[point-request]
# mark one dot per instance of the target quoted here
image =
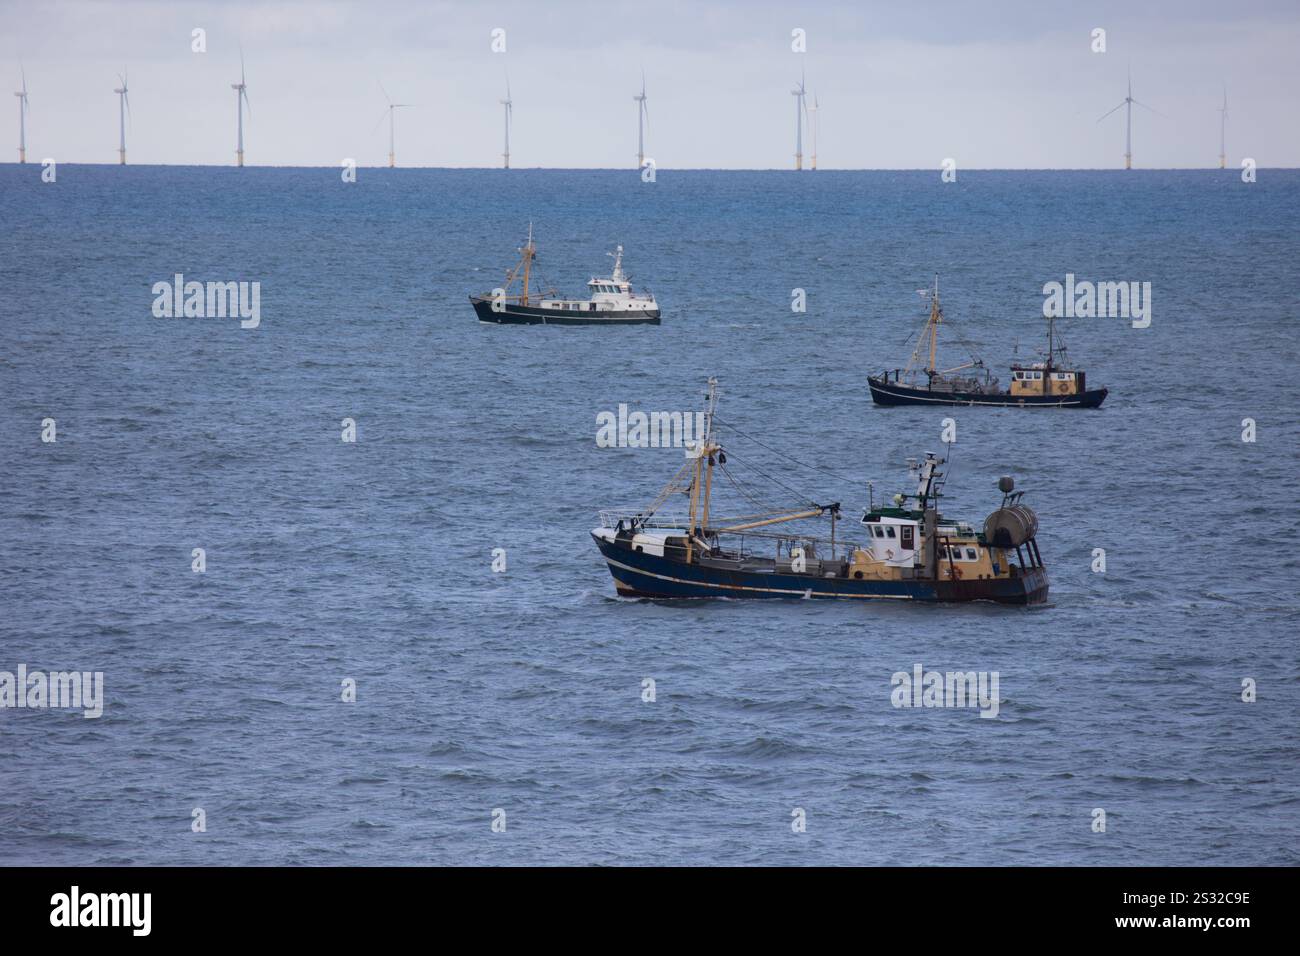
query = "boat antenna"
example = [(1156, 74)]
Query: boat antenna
[(617, 275), (1051, 348), (936, 316)]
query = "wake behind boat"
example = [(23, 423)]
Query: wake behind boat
[(611, 302), (912, 551), (1049, 383)]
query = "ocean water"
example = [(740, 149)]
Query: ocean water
[(521, 691)]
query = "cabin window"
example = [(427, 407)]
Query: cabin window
[(906, 539), (970, 554), (890, 531), (591, 306)]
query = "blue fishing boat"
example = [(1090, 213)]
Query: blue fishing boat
[(911, 551), (1050, 383)]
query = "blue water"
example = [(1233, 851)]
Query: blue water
[(522, 690)]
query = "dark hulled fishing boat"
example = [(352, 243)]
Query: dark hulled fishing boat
[(912, 551), (611, 302), (1050, 383)]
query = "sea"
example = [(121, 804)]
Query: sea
[(404, 648)]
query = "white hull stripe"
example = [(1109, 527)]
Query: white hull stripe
[(588, 318), (793, 592), (1010, 403)]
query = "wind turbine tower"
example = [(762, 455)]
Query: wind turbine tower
[(1223, 125), (1127, 103), (812, 123), (123, 107), (641, 117), (509, 112), (22, 120), (241, 100), (799, 110), (392, 107)]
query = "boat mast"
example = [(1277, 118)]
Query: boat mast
[(931, 329), (528, 262), (935, 317), (700, 504), (1051, 351)]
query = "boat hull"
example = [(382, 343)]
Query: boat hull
[(515, 314), (641, 575), (895, 393)]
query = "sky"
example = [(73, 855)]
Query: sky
[(901, 85)]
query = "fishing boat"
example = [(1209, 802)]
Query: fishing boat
[(1050, 383), (611, 300), (911, 550)]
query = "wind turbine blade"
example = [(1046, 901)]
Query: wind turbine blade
[(1145, 107), (1104, 115), (244, 94), (387, 99), (382, 116)]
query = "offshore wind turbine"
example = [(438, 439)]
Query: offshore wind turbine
[(22, 119), (799, 92), (1127, 103), (1223, 125), (392, 107), (123, 107), (241, 100), (509, 112), (642, 117), (812, 124)]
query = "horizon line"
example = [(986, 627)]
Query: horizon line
[(677, 169)]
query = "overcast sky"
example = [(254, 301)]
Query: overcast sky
[(902, 84)]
